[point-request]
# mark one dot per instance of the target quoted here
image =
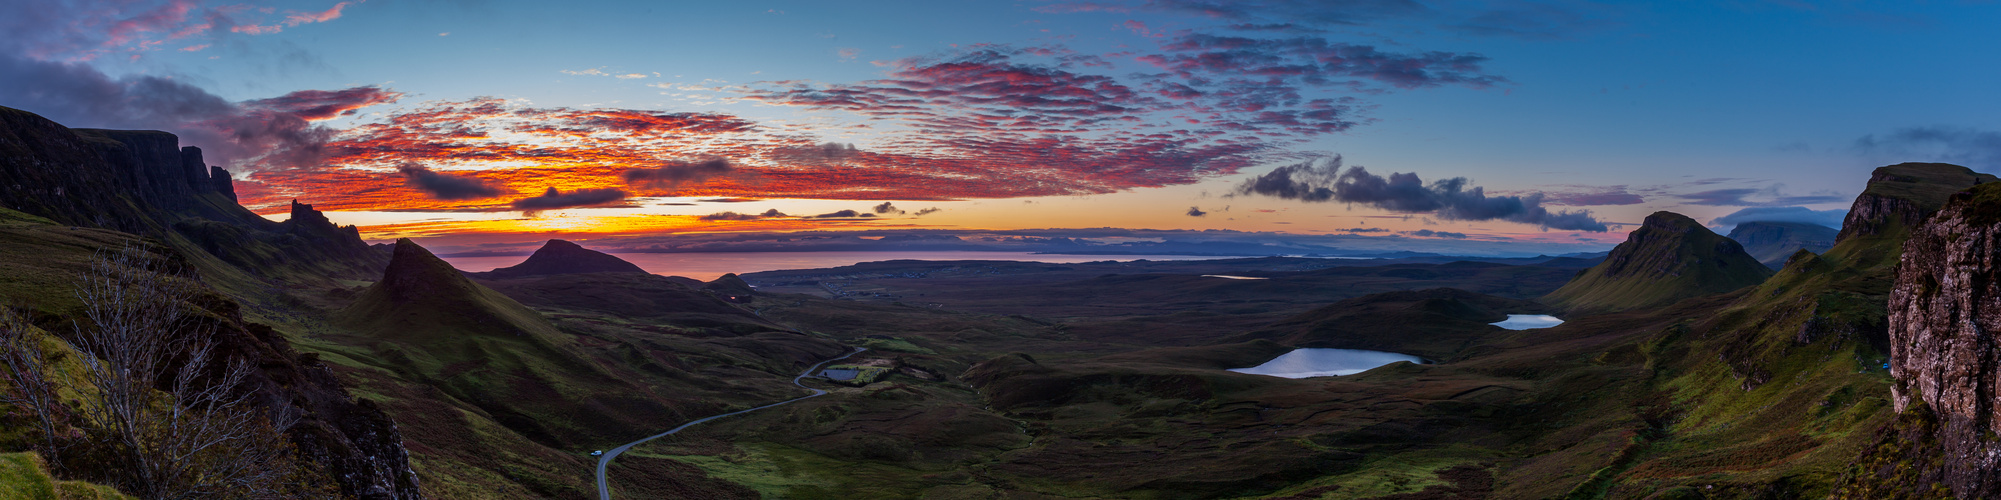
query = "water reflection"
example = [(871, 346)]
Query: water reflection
[(1303, 363), (1528, 321)]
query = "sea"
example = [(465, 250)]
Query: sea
[(709, 266)]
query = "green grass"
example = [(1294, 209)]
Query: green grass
[(1670, 258), (784, 472), (1407, 472), (23, 476), (895, 345), (864, 374)]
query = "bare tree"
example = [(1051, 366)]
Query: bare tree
[(25, 368), (156, 397)]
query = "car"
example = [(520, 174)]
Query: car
[(598, 453)]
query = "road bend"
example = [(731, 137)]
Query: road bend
[(604, 487)]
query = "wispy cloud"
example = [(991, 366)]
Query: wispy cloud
[(1965, 145), (291, 19), (1769, 196), (315, 105)]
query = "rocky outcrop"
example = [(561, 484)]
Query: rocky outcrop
[(219, 181), (563, 257), (1774, 242), (1944, 311), (146, 183), (1901, 196), (351, 439), (1669, 258), (314, 227)]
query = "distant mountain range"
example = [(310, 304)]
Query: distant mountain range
[(1774, 242)]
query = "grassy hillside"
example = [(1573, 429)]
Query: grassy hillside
[(1438, 323), (496, 396), (1669, 258), (24, 476), (1777, 393)]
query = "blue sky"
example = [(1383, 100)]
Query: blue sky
[(1618, 109)]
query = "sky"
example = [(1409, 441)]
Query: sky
[(1479, 126)]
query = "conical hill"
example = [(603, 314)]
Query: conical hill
[(563, 257), (1669, 258), (423, 300)]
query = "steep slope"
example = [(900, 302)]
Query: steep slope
[(145, 183), (473, 338), (1946, 303), (563, 257), (498, 395), (1774, 242), (1774, 394), (1669, 258), (355, 443), (1901, 196)]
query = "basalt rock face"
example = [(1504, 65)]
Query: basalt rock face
[(1944, 312), (145, 183), (563, 257), (220, 181), (313, 226), (51, 171), (1774, 242), (1903, 195), (1669, 258), (351, 439)]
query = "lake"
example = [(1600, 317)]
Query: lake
[(1528, 321), (709, 266), (1313, 362)]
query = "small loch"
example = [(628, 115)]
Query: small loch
[(1528, 321), (1315, 362)]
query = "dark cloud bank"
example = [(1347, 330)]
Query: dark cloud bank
[(555, 199), (447, 186), (1324, 180)]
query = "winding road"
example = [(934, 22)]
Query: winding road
[(604, 488)]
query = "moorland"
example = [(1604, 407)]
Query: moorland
[(1687, 367)]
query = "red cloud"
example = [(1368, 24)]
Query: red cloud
[(989, 122), (520, 151), (292, 19), (316, 105)]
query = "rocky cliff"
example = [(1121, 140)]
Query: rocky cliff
[(1943, 314), (1901, 196), (145, 183), (1774, 242), (1669, 258)]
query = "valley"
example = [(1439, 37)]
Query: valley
[(1676, 366)]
